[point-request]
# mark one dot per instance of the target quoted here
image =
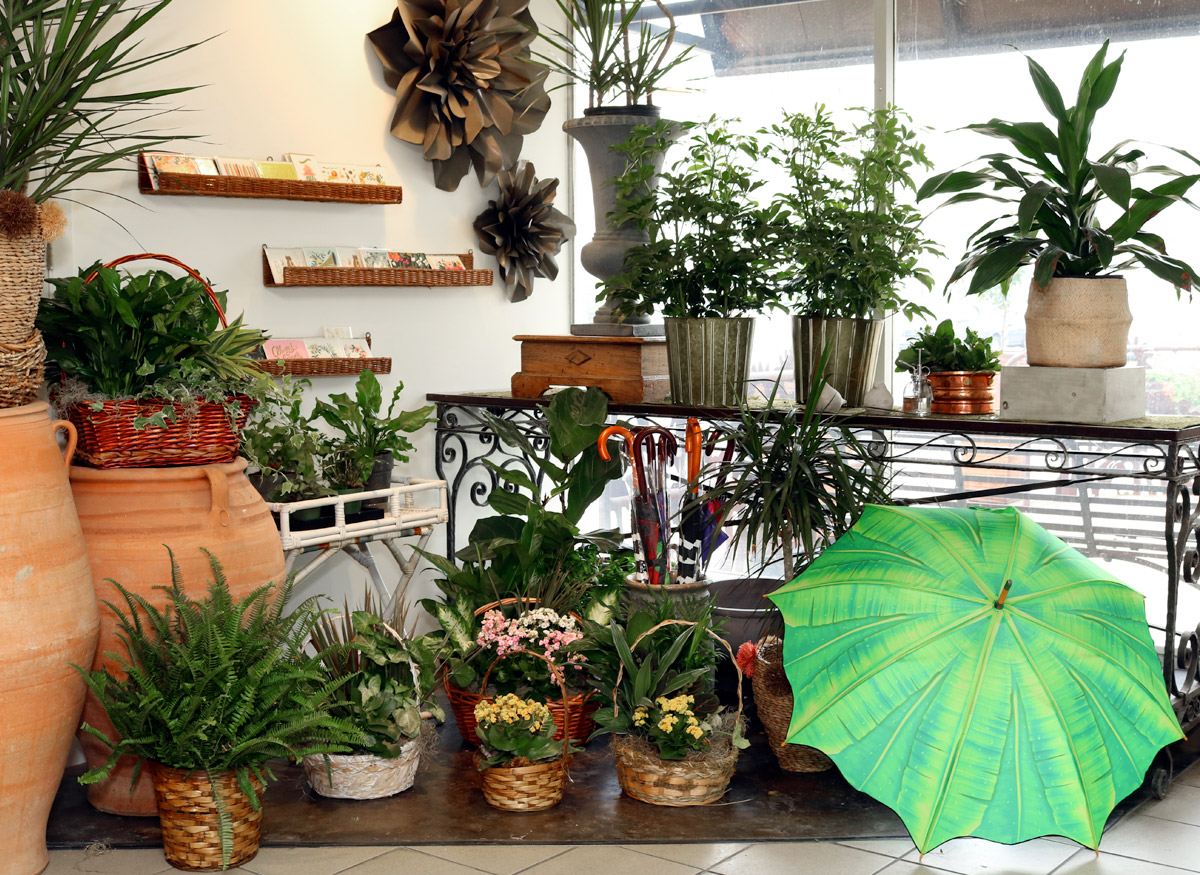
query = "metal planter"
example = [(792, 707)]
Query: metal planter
[(853, 350), (709, 360)]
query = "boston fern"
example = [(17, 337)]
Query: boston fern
[(1057, 192), (216, 685)]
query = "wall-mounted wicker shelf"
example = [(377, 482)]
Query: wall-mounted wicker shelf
[(278, 189), (378, 276), (336, 367)]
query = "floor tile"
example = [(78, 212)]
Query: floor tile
[(1156, 840), (817, 857), (1086, 862), (1190, 776), (607, 860), (700, 856), (310, 861), (1182, 804), (887, 847), (980, 857), (118, 862), (409, 860), (495, 859)]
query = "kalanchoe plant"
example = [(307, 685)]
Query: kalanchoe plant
[(1057, 191), (940, 350), (515, 732), (846, 233), (706, 255)]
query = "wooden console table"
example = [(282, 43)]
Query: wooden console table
[(1119, 491)]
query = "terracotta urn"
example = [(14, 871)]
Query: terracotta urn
[(47, 621), (129, 517)]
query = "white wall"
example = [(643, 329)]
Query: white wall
[(300, 76)]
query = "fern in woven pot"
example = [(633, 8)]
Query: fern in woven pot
[(386, 681), (64, 118), (213, 689)]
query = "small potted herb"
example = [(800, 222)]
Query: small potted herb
[(962, 371)]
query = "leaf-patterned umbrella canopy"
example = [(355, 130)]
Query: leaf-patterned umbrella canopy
[(467, 89), (969, 710)]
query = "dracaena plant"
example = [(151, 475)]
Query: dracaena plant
[(1072, 214)]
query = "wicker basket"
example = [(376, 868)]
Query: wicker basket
[(525, 788), (108, 439), (576, 710), (258, 187), (22, 366), (335, 367), (187, 812), (364, 776), (22, 276), (379, 276), (773, 699), (645, 776)]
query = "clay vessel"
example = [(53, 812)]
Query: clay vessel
[(47, 621), (128, 515)]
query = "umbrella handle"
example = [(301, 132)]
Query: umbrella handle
[(668, 446), (608, 434), (693, 445)]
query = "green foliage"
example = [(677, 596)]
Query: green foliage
[(1056, 192), (124, 336), (672, 726), (940, 350), (516, 731), (365, 433), (707, 253), (596, 50), (797, 481), (281, 442), (847, 237), (216, 684), (64, 115), (386, 678)]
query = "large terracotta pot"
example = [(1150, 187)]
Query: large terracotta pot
[(1078, 322), (47, 621), (128, 515)]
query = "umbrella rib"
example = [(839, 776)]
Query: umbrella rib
[(1012, 550), (985, 653), (896, 657), (1066, 586), (824, 584), (934, 682), (933, 533), (874, 553), (1097, 710), (857, 630), (1062, 721)]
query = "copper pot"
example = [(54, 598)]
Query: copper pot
[(964, 392)]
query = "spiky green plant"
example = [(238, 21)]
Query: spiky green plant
[(216, 685)]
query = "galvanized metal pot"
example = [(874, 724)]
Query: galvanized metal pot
[(853, 350), (963, 392), (709, 360), (1078, 322)]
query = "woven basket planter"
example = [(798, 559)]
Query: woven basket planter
[(580, 706), (677, 783), (187, 812), (525, 788), (22, 366), (364, 776), (22, 276), (108, 438), (773, 698)]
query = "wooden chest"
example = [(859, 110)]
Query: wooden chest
[(628, 369)]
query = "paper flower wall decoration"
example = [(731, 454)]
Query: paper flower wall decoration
[(467, 89), (523, 230)]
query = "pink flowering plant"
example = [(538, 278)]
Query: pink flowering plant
[(541, 631)]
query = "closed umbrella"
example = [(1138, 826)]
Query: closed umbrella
[(974, 673)]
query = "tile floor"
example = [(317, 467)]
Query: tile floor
[(1157, 838)]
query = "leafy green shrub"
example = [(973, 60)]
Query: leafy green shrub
[(940, 349)]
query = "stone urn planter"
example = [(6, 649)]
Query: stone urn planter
[(1078, 322)]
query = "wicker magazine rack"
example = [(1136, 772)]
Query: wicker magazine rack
[(378, 276), (255, 187)]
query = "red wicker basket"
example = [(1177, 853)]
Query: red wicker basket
[(207, 436), (577, 710)]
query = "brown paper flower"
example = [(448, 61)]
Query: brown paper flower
[(523, 229), (467, 90)]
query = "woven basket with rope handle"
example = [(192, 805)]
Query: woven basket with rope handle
[(774, 702)]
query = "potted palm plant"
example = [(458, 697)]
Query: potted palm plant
[(610, 49), (704, 263), (962, 370), (208, 691), (847, 238), (61, 122), (1059, 190)]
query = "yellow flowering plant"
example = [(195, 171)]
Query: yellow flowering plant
[(515, 732), (672, 726)]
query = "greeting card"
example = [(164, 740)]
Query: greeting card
[(446, 262), (285, 348), (324, 348), (244, 167), (408, 259), (357, 349), (278, 259), (276, 169), (176, 164), (320, 256), (342, 332)]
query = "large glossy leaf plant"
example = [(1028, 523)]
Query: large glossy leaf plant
[(1058, 194)]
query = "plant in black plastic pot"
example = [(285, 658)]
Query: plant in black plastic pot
[(848, 237), (282, 444), (707, 264), (369, 441)]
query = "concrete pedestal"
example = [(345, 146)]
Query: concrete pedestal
[(1092, 395)]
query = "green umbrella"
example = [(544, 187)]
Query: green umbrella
[(974, 673)]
